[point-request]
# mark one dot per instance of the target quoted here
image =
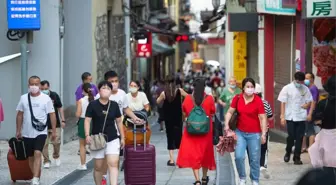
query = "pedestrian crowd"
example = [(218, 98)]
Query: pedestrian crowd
[(112, 124)]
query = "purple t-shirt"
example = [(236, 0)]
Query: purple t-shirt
[(315, 93), (79, 91)]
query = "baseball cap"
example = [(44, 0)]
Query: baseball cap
[(258, 89)]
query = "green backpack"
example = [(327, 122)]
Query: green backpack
[(198, 123)]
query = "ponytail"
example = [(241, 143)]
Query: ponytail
[(91, 97), (88, 89), (198, 94)]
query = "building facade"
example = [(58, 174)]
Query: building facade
[(93, 41)]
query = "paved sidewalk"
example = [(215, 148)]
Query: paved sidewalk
[(70, 161), (281, 173), (164, 175)]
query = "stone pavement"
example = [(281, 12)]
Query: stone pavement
[(70, 161), (281, 173), (164, 175)]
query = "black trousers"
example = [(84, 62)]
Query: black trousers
[(263, 153), (296, 131)]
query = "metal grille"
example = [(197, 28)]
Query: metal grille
[(282, 58)]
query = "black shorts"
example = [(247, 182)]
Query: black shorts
[(33, 144)]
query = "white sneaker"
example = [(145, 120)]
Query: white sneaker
[(255, 183), (82, 167), (242, 182), (35, 181), (58, 162), (46, 165), (265, 173)]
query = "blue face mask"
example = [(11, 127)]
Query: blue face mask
[(45, 92), (297, 85), (232, 86), (307, 82)]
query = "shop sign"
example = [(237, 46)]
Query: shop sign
[(240, 55), (320, 8), (274, 7), (23, 15), (144, 47)]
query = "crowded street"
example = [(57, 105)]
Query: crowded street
[(167, 92)]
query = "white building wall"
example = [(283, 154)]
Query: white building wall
[(77, 46), (43, 61)]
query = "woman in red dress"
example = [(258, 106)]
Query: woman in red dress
[(196, 151)]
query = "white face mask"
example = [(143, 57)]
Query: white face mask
[(105, 93), (34, 89), (133, 89), (249, 91), (115, 86)]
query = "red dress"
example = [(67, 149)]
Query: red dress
[(197, 151)]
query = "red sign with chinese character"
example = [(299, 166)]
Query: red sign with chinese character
[(144, 47)]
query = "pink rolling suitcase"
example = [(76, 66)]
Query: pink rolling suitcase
[(140, 163)]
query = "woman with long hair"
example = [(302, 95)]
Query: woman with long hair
[(251, 130), (82, 105), (322, 152), (196, 151), (172, 100)]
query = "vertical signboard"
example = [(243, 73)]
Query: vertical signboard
[(23, 14), (239, 54)]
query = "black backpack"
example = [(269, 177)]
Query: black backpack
[(18, 148)]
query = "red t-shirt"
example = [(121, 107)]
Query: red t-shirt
[(248, 114)]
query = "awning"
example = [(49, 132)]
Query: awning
[(160, 47)]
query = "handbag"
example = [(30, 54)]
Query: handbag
[(217, 130), (227, 143), (98, 141), (234, 117), (37, 125)]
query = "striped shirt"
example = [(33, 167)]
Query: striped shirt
[(268, 109)]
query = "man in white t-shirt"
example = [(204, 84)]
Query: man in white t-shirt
[(119, 96), (32, 127)]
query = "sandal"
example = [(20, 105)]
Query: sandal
[(170, 163), (198, 183), (205, 180)]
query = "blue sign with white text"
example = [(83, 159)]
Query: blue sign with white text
[(23, 14)]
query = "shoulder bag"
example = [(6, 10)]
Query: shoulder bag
[(98, 141), (37, 125), (234, 117)]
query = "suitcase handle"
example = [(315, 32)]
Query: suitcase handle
[(144, 130)]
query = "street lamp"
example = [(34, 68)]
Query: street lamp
[(215, 3)]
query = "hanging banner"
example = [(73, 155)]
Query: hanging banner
[(274, 7), (144, 47), (240, 55), (23, 15), (324, 49)]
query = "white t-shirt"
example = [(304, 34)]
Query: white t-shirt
[(294, 98), (42, 106), (85, 103), (137, 103), (120, 98)]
